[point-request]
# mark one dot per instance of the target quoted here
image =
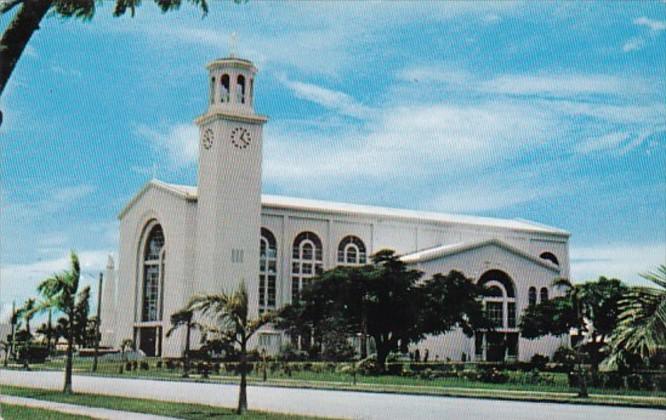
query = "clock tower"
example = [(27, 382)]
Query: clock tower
[(229, 182)]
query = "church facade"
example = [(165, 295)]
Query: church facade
[(177, 241)]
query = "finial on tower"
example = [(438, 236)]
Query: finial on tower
[(233, 40)]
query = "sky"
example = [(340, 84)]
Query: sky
[(553, 112)]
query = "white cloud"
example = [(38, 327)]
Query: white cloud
[(633, 44), (437, 74), (177, 143), (564, 85), (624, 261), (603, 143), (654, 25), (331, 99)]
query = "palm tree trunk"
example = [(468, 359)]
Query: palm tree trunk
[(242, 393), (67, 389), (18, 33), (186, 358)]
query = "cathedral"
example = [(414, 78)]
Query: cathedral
[(178, 240)]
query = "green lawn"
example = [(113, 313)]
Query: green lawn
[(171, 409), (15, 412)]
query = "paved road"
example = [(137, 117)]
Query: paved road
[(339, 404), (94, 412)]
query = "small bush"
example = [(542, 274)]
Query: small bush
[(539, 361), (660, 382), (144, 366), (158, 365), (128, 366), (633, 381), (565, 356), (493, 375)]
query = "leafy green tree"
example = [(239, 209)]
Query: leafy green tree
[(388, 301), (641, 330), (61, 292), (30, 13), (180, 319), (592, 308), (229, 315)]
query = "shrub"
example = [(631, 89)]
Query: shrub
[(493, 375), (660, 382), (170, 365), (128, 366), (158, 365), (539, 361), (633, 381), (394, 368), (144, 365), (32, 353), (565, 356)]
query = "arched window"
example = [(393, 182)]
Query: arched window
[(500, 299), (531, 296), (224, 91), (240, 89), (153, 273), (212, 90), (306, 261), (543, 294), (351, 251), (267, 270), (550, 257)]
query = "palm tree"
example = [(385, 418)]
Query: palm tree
[(28, 311), (229, 312), (61, 292), (183, 318), (576, 294), (641, 328)]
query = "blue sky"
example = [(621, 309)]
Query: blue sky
[(554, 112)]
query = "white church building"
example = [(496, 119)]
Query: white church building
[(176, 241)]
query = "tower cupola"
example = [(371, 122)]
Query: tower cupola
[(231, 85)]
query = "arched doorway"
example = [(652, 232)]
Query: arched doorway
[(500, 306)]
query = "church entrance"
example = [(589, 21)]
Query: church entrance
[(497, 346), (150, 340)]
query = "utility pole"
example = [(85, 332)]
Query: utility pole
[(99, 321), (11, 350)]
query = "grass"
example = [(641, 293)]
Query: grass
[(145, 406), (15, 412)]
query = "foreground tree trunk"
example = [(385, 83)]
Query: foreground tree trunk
[(18, 33), (186, 358), (242, 393), (67, 389)]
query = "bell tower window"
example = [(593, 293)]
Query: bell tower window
[(224, 91), (212, 90), (240, 89)]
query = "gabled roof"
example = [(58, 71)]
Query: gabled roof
[(457, 248), (180, 191), (327, 207)]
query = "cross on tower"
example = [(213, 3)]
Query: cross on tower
[(233, 39)]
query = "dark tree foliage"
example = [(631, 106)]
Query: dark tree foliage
[(29, 14), (597, 317), (386, 300)]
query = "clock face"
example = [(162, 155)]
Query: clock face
[(240, 137), (207, 139)]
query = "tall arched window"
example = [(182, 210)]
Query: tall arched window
[(351, 251), (543, 294), (550, 257), (267, 270), (224, 91), (306, 261), (153, 273), (240, 89), (532, 296)]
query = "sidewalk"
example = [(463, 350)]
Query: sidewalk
[(98, 413)]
